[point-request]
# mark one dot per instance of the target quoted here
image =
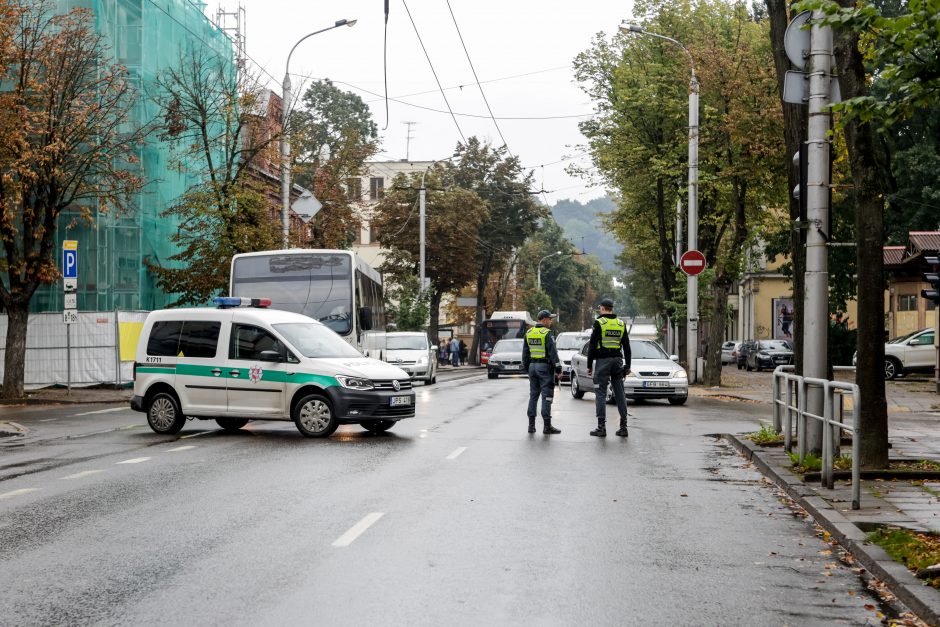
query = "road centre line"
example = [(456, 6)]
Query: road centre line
[(135, 460), (9, 495), (180, 448), (457, 452), (358, 529), (84, 473), (48, 419), (101, 411)]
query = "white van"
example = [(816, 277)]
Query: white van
[(412, 352), (244, 362)]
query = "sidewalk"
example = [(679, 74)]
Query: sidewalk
[(902, 503)]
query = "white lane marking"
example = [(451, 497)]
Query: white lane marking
[(358, 529), (180, 448), (84, 473), (195, 435), (9, 495), (457, 452), (101, 411), (48, 419), (136, 460)]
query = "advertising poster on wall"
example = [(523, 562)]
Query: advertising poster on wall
[(783, 318)]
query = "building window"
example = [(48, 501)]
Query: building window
[(376, 188), (354, 189), (907, 302), (929, 305), (374, 232)]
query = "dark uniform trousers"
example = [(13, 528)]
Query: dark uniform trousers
[(609, 370), (541, 381)]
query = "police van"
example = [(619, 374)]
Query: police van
[(244, 362)]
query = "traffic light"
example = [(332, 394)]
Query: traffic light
[(933, 278), (799, 192)]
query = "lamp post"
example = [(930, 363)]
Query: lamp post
[(554, 254), (285, 136), (692, 281)]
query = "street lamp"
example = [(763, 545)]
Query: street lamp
[(554, 254), (285, 137), (692, 281)]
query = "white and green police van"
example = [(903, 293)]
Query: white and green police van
[(244, 362)]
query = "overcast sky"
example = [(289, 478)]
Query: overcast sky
[(505, 39)]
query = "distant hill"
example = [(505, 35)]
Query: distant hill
[(583, 227)]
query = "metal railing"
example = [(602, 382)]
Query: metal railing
[(793, 404)]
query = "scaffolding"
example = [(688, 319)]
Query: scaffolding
[(147, 37)]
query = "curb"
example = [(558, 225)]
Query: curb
[(12, 429), (923, 600), (60, 401)]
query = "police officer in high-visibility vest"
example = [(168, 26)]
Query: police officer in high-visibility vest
[(540, 360), (610, 349)]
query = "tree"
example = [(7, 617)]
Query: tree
[(63, 144), (451, 213), (213, 117), (512, 215), (333, 135), (408, 307)]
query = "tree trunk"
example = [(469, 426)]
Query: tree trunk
[(434, 305), (715, 336), (474, 356), (14, 361), (794, 132), (869, 234)]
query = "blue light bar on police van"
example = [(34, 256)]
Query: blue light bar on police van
[(226, 302)]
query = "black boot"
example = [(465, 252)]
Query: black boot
[(532, 424), (622, 431), (601, 430), (548, 429)]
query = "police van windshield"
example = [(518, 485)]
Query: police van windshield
[(315, 340)]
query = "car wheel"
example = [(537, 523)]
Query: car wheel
[(378, 426), (677, 400), (231, 424), (164, 414), (576, 391), (314, 416), (892, 368)]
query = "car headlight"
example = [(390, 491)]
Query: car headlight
[(354, 383), (680, 374)]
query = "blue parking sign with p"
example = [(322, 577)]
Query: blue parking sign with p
[(70, 259)]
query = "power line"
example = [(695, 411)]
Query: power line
[(492, 80), (428, 57), (477, 79)]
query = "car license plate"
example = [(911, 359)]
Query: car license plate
[(656, 384), (397, 401)]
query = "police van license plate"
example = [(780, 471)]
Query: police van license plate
[(397, 401), (656, 384)]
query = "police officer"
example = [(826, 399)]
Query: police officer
[(610, 348), (540, 360)]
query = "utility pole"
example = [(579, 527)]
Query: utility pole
[(816, 295), (408, 138)]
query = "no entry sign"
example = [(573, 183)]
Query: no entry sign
[(692, 262)]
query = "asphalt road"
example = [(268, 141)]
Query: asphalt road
[(456, 517)]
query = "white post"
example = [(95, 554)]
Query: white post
[(692, 282), (421, 222), (816, 295), (285, 161)]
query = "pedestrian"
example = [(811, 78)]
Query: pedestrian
[(540, 361), (463, 353), (442, 352), (454, 352), (610, 348)]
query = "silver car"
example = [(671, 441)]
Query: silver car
[(412, 352), (653, 374), (568, 344)]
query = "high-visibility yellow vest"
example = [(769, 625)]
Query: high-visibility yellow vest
[(612, 330), (535, 338)]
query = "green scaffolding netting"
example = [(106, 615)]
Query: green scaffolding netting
[(146, 36)]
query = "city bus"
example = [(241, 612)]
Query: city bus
[(335, 287), (502, 324)]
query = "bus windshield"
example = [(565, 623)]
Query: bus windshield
[(318, 285)]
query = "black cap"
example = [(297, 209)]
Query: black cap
[(545, 313), (607, 302)]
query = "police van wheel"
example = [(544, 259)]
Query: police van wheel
[(164, 414), (378, 426), (231, 424), (576, 391), (314, 416)]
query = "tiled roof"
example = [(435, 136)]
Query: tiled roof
[(924, 241), (894, 255)]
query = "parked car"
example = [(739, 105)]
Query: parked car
[(412, 352), (727, 349), (653, 374), (506, 358), (909, 353), (568, 344), (768, 354)]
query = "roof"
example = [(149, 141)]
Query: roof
[(893, 255), (923, 241)]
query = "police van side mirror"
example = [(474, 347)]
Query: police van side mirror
[(269, 356), (365, 318)]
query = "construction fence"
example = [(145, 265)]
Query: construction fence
[(98, 349)]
